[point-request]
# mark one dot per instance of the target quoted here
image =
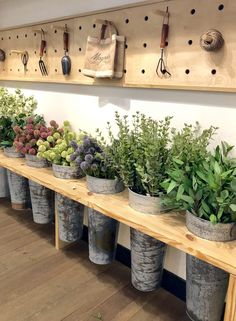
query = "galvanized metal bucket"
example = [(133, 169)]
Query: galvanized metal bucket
[(34, 161), (206, 288), (147, 257), (103, 233), (70, 219), (213, 232), (103, 230), (145, 204), (19, 191), (42, 200), (66, 172), (11, 152), (206, 285), (104, 186), (4, 188)]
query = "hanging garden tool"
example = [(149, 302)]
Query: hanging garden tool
[(24, 57), (161, 67), (2, 55), (65, 60), (43, 45)]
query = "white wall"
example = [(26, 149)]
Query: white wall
[(91, 107)]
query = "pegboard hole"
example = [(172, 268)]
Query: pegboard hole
[(166, 43), (213, 71), (18, 70), (221, 7), (126, 20), (35, 52), (79, 70), (80, 49), (143, 71), (146, 18), (126, 46), (55, 31), (2, 38), (94, 26), (9, 37), (10, 69), (145, 45), (193, 11), (80, 27), (55, 70), (187, 71), (45, 51), (26, 35), (125, 71), (9, 53), (35, 70), (190, 42), (55, 50), (35, 34), (17, 37)]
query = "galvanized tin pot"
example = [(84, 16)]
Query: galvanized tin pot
[(145, 204), (4, 188), (147, 258), (103, 230), (147, 253), (19, 191), (66, 172), (42, 200), (213, 232), (34, 161), (70, 218), (206, 285), (206, 288), (12, 153)]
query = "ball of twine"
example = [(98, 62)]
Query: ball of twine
[(212, 40)]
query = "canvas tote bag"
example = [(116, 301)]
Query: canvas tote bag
[(104, 57)]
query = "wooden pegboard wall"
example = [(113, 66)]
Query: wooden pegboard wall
[(190, 66)]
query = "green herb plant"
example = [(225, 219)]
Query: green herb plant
[(140, 152), (207, 189)]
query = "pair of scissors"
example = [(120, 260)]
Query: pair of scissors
[(25, 59)]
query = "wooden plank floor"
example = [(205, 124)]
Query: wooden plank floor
[(38, 283)]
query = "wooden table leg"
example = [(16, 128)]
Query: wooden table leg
[(230, 312)]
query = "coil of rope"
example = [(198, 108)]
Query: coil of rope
[(212, 40)]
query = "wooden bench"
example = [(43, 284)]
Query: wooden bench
[(169, 228)]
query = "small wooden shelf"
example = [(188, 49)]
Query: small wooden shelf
[(169, 228)]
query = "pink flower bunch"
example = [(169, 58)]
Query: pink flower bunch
[(26, 139)]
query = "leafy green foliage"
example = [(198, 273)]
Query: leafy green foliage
[(14, 109), (140, 153), (207, 188)]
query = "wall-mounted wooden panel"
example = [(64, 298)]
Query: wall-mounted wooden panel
[(190, 66)]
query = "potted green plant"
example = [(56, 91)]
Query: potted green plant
[(14, 109), (101, 178), (58, 150), (140, 155), (207, 191), (25, 142)]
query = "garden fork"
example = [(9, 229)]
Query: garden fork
[(43, 45)]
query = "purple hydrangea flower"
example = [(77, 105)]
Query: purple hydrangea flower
[(80, 149), (84, 166), (78, 160), (91, 150), (87, 141), (73, 157), (88, 158), (74, 144)]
